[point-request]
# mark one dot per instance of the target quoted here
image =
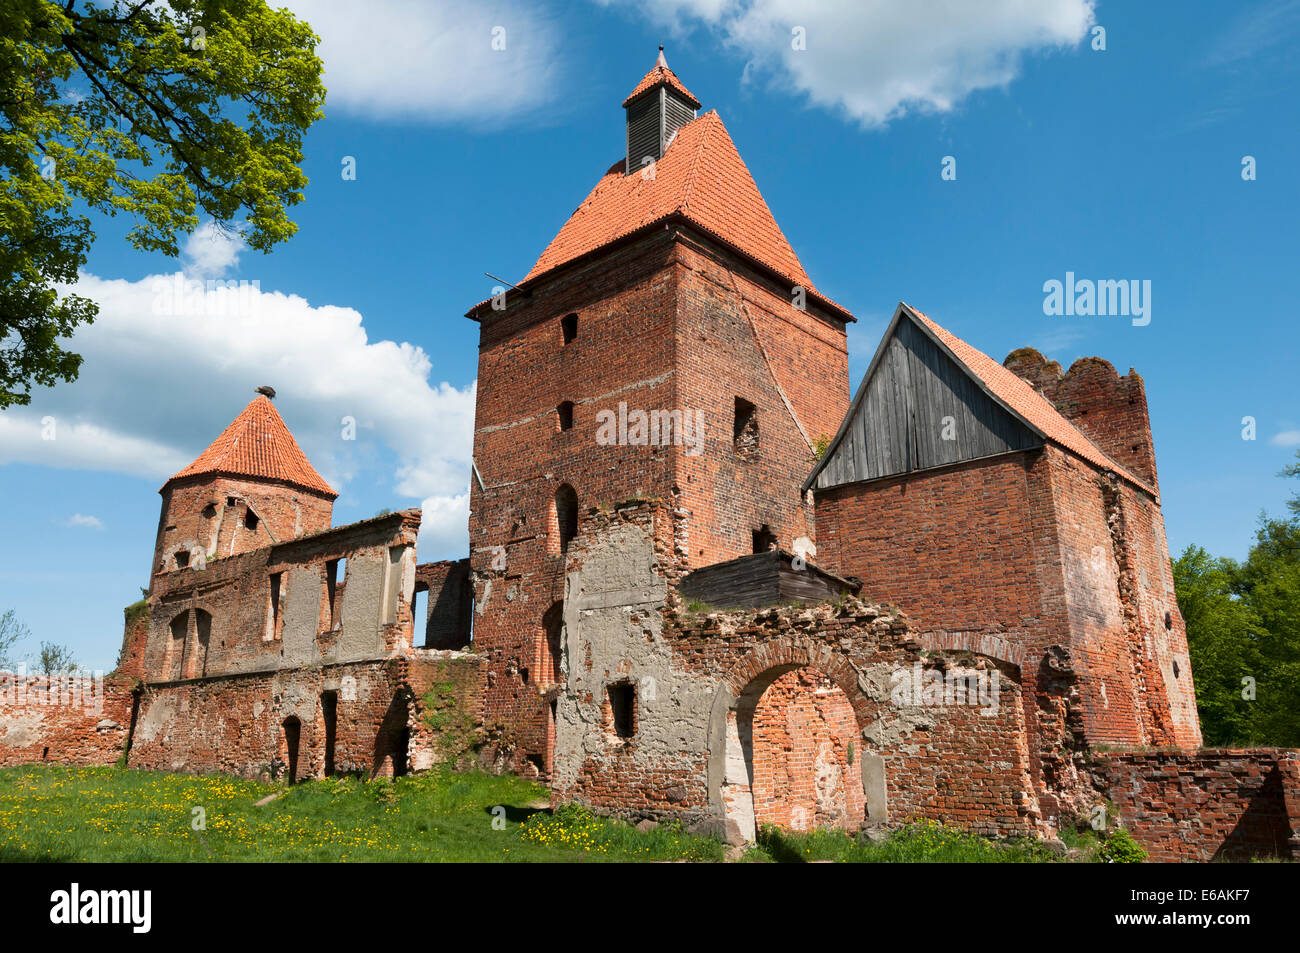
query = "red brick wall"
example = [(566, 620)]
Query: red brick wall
[(739, 336), (1034, 550), (1214, 804), (806, 746), (950, 546), (75, 721), (661, 326)]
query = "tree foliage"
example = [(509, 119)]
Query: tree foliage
[(55, 659), (1243, 632), (12, 631), (158, 111)]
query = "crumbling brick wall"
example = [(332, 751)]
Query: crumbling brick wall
[(805, 743), (236, 723), (1213, 804), (221, 619), (70, 720), (696, 680), (1110, 410)]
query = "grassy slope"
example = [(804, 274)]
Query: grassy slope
[(108, 814)]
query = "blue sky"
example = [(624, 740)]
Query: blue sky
[(1117, 164)]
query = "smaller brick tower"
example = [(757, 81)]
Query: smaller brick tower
[(252, 487)]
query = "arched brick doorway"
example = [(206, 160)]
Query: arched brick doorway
[(805, 746), (785, 743)]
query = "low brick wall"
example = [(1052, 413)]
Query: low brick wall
[(74, 721), (1212, 804), (237, 724)]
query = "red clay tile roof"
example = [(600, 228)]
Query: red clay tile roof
[(1027, 402), (700, 178), (258, 444), (661, 75)]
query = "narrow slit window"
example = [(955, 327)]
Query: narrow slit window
[(274, 617), (565, 414), (335, 570), (566, 516), (569, 327), (420, 616)]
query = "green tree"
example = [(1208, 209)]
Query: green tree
[(1243, 622), (159, 111), (1222, 637), (12, 631), (54, 659)]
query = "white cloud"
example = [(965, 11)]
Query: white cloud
[(444, 528), (1287, 438), (413, 59), (211, 251), (90, 522), (157, 386), (877, 61)]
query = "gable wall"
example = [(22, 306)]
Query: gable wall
[(920, 410)]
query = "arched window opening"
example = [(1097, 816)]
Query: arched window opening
[(175, 654)]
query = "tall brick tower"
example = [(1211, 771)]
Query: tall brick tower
[(253, 486), (667, 344)]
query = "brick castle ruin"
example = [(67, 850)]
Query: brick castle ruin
[(673, 605)]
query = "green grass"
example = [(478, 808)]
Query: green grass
[(55, 813), (109, 814), (920, 842)]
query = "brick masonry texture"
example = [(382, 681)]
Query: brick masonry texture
[(1213, 804), (73, 720)]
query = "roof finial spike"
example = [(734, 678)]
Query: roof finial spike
[(661, 61)]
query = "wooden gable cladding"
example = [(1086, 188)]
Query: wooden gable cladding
[(917, 409)]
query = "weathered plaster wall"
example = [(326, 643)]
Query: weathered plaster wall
[(699, 678)]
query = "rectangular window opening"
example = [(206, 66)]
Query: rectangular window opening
[(622, 705), (745, 428)]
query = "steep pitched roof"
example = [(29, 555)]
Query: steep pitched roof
[(258, 444), (702, 179), (1005, 387), (661, 75)]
